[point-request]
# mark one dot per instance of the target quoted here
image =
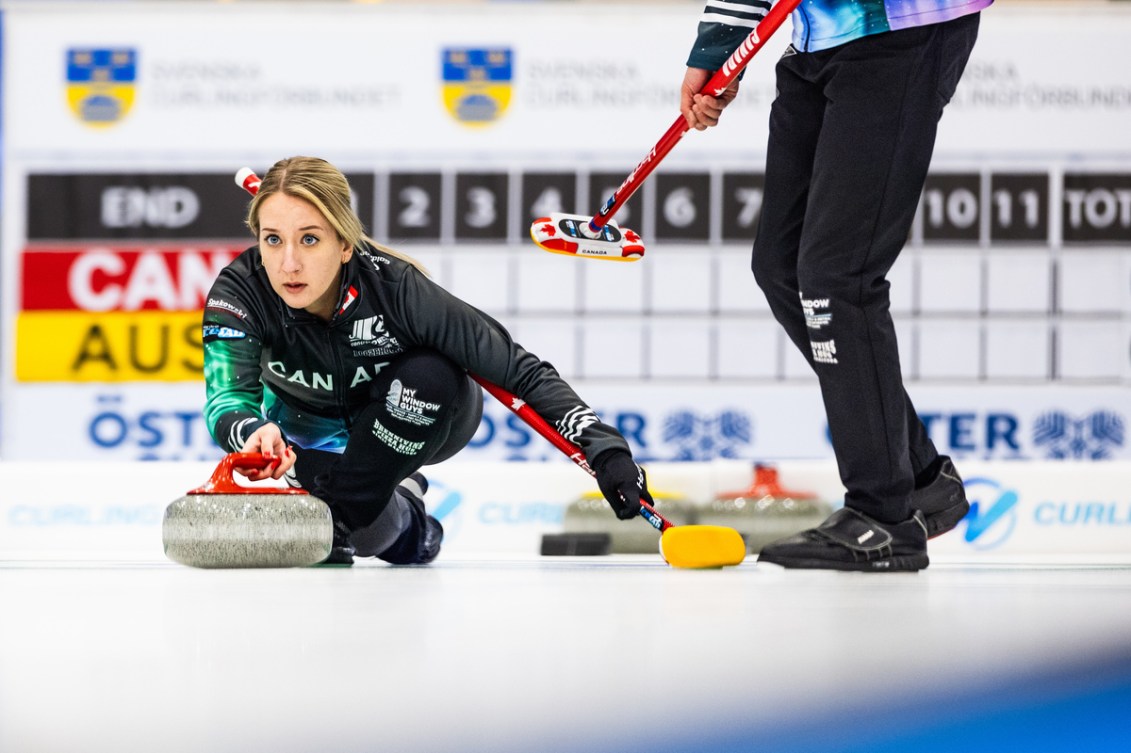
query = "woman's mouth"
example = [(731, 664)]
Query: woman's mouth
[(294, 287)]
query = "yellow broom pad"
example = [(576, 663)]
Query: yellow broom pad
[(693, 546)]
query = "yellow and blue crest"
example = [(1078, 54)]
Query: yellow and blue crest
[(477, 83), (100, 84)]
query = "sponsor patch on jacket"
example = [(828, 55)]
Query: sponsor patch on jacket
[(370, 338), (395, 442), (350, 297), (213, 332), (219, 304), (403, 403)]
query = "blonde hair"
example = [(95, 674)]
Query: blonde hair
[(323, 185)]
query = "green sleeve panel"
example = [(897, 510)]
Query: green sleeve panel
[(233, 406)]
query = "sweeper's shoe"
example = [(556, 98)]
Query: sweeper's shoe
[(942, 500), (850, 540)]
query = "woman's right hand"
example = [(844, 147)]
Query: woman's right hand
[(702, 111), (268, 440)]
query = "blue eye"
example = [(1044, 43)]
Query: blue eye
[(271, 239), (309, 240)]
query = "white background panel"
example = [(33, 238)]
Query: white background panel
[(949, 349), (1018, 350), (546, 282), (905, 340), (349, 72), (200, 84), (747, 348), (795, 366), (483, 279), (1093, 281), (950, 281), (682, 282), (615, 287), (433, 259), (736, 286), (901, 276), (615, 350), (1018, 281), (141, 422), (551, 339), (1091, 350), (679, 348)]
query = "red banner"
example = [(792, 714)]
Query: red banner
[(120, 278)]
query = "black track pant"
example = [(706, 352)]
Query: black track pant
[(423, 410), (851, 136)]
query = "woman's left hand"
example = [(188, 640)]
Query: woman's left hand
[(623, 483)]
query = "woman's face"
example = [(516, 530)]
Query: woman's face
[(302, 254)]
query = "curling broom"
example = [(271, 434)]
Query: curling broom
[(686, 546), (599, 236)]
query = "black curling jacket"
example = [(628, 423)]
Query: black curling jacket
[(264, 361)]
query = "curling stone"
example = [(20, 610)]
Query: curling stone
[(591, 514), (766, 511), (223, 524)]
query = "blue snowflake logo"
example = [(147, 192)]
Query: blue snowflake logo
[(707, 437), (1093, 437)]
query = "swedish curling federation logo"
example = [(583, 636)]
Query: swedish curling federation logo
[(477, 83), (100, 84)]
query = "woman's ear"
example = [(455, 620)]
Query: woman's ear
[(347, 252)]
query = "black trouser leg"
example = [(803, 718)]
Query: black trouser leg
[(851, 136), (424, 409)]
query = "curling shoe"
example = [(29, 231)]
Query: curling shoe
[(341, 550), (416, 485), (850, 540), (420, 542), (943, 499), (431, 541)]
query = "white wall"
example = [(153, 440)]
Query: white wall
[(1015, 319)]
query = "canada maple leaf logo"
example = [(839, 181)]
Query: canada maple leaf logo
[(548, 229), (631, 236)]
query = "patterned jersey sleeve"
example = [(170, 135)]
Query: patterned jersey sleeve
[(722, 27), (435, 318), (233, 407)]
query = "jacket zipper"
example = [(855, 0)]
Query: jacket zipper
[(340, 381)]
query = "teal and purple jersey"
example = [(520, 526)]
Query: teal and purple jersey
[(817, 24)]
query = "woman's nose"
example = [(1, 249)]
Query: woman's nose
[(290, 259)]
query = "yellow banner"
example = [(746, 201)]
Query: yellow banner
[(80, 346)]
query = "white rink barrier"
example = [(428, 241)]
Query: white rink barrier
[(113, 511)]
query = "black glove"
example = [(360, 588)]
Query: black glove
[(622, 482)]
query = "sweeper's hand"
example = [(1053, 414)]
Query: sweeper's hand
[(622, 482), (703, 110), (268, 440)]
